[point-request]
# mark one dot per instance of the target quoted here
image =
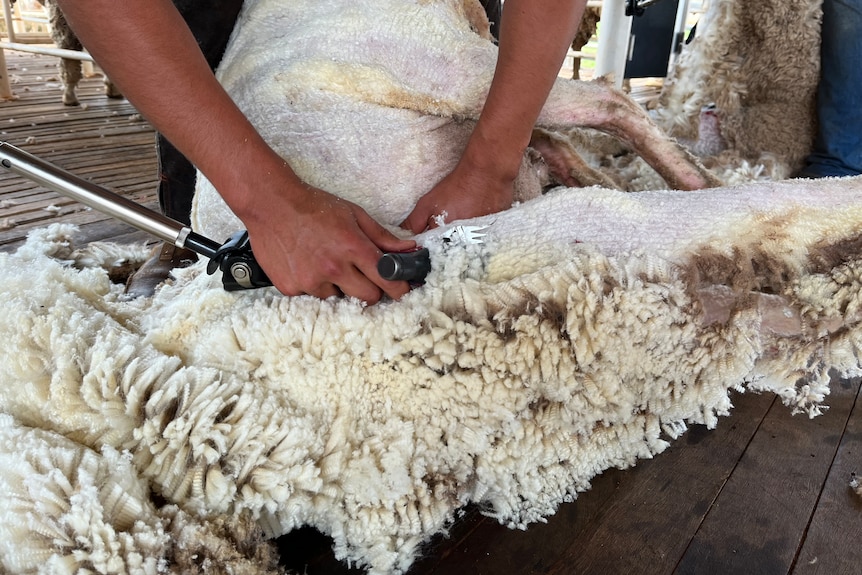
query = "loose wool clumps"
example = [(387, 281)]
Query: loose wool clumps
[(577, 338)]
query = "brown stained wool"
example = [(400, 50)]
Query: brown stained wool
[(743, 270), (226, 547), (825, 257), (758, 263)]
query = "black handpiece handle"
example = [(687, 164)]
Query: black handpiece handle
[(239, 268), (405, 266)]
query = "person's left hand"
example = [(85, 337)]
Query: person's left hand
[(464, 193)]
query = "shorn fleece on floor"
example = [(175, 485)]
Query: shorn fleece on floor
[(589, 330)]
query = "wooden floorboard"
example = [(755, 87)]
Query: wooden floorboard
[(764, 492), (835, 531), (772, 494), (103, 140)]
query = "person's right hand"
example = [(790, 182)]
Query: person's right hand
[(307, 241), (311, 242)]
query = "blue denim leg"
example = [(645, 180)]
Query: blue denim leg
[(838, 146)]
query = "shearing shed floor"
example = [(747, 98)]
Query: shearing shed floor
[(765, 492)]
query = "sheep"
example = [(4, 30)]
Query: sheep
[(587, 331), (399, 101), (586, 30), (759, 63), (70, 70)]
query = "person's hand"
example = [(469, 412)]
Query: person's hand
[(534, 39), (464, 193), (315, 243)]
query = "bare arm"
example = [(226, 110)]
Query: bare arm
[(534, 39), (306, 240)]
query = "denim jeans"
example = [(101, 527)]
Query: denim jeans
[(211, 23), (838, 146)]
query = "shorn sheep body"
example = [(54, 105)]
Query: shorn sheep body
[(402, 82), (588, 331)]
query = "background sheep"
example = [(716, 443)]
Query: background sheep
[(70, 70), (759, 62), (586, 30)]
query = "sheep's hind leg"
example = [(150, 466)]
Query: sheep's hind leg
[(600, 106), (70, 75), (111, 90), (565, 164)]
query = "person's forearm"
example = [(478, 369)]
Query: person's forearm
[(161, 70), (534, 39)]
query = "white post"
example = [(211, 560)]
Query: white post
[(10, 24), (614, 33), (5, 87), (678, 31)]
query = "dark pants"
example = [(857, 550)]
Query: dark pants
[(838, 147), (211, 22)]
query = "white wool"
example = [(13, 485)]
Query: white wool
[(590, 329), (66, 508), (570, 342)]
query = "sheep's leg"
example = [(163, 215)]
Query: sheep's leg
[(70, 75), (565, 164), (600, 106), (111, 89), (462, 84), (63, 37)]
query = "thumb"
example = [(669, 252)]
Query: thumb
[(382, 238), (417, 221)]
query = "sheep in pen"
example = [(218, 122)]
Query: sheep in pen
[(589, 329)]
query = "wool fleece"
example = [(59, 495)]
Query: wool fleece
[(759, 63), (172, 434), (591, 328)]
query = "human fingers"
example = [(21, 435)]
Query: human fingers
[(382, 239), (423, 217), (380, 236)]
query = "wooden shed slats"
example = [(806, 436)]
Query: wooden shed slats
[(102, 140), (834, 533)]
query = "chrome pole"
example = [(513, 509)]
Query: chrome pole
[(101, 199)]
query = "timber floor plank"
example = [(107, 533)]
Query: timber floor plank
[(103, 140), (835, 532), (773, 493)]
